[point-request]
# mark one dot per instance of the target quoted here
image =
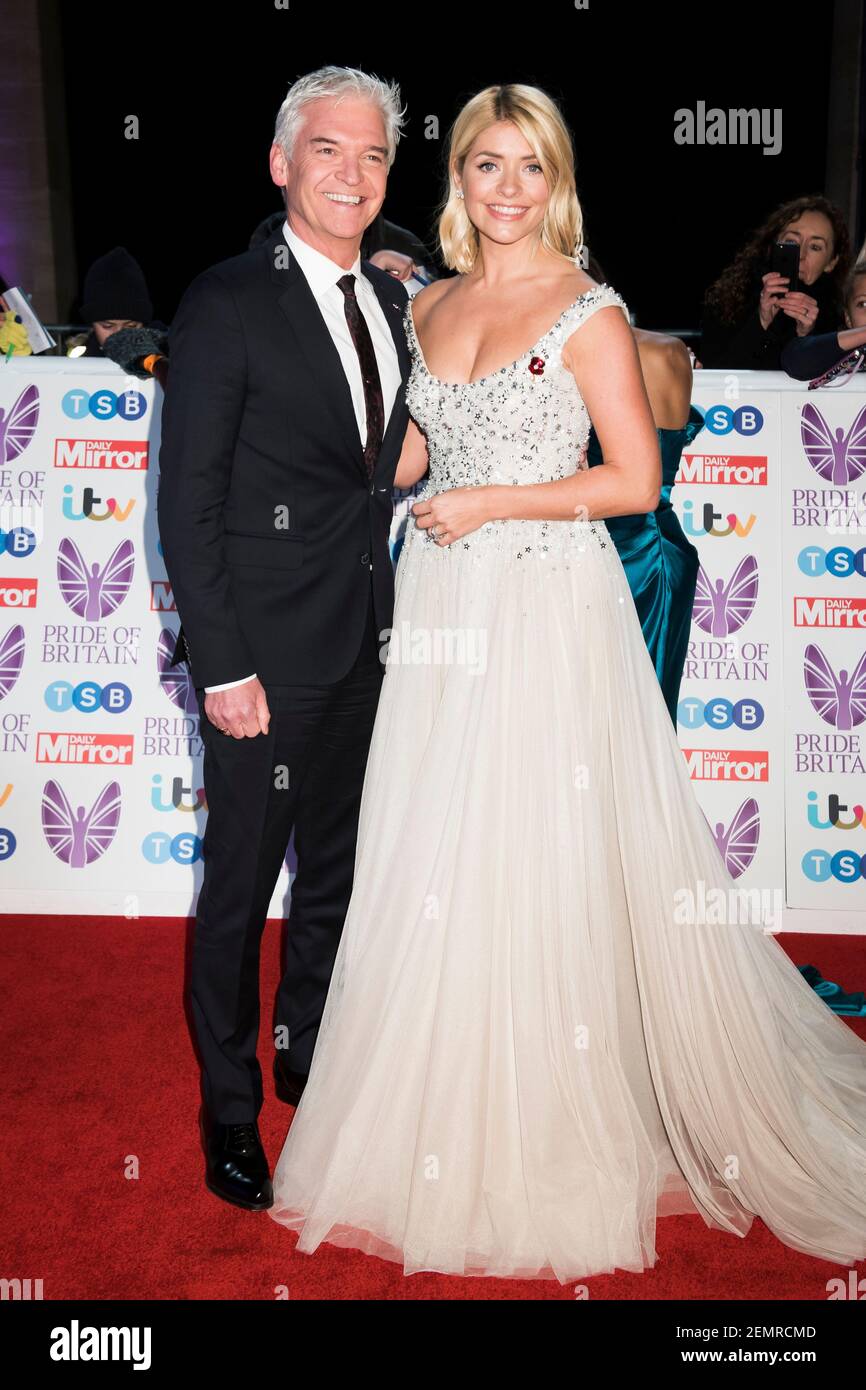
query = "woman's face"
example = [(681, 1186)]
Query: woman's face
[(104, 328), (855, 309), (504, 189), (814, 232)]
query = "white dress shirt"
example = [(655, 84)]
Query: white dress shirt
[(322, 274)]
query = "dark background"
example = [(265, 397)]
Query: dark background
[(663, 219)]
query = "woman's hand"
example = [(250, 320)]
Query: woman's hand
[(394, 262), (455, 513), (802, 308), (775, 288)]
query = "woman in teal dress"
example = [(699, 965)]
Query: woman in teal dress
[(661, 565)]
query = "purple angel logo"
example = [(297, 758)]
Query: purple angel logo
[(18, 427), (11, 658), (720, 608), (738, 841), (79, 837), (837, 459), (839, 700), (175, 680), (92, 593)]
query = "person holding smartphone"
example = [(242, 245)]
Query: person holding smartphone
[(786, 282)]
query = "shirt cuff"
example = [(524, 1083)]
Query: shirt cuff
[(229, 684)]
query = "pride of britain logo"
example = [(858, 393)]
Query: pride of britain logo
[(176, 681), (92, 591), (837, 457), (722, 608), (738, 841), (79, 837), (840, 699), (11, 658), (18, 425)]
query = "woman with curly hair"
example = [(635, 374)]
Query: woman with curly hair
[(751, 312)]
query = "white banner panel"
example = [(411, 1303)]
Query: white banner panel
[(101, 802)]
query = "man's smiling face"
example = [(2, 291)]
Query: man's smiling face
[(336, 178)]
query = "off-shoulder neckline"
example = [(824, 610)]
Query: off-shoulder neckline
[(488, 376)]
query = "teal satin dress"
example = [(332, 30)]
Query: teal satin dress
[(661, 565)]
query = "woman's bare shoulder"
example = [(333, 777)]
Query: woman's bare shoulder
[(430, 296), (585, 283), (662, 352)]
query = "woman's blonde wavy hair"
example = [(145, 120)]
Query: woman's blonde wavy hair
[(541, 123)]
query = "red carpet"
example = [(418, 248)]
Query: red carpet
[(103, 1172)]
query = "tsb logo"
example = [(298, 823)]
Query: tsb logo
[(720, 714), (839, 563), (846, 866), (159, 848), (103, 405), (746, 419), (19, 542), (88, 697)]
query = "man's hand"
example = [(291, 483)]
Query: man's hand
[(242, 711)]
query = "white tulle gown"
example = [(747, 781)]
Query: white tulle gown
[(527, 1055)]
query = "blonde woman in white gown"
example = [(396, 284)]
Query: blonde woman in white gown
[(529, 1051)]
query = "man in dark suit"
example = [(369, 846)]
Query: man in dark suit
[(282, 426)]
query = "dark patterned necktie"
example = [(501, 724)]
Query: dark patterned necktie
[(373, 401)]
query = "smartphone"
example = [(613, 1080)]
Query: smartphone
[(785, 260)]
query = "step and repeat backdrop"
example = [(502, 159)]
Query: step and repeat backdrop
[(102, 807)]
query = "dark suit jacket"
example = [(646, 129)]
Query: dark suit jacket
[(268, 523)]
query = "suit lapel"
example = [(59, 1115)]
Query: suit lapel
[(315, 346)]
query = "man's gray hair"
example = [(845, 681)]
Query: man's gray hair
[(338, 82)]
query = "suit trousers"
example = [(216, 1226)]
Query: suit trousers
[(306, 774)]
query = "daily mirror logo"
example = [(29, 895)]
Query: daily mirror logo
[(129, 454), (727, 764), (730, 470)]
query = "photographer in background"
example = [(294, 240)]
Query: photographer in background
[(751, 311)]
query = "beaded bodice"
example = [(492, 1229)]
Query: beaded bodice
[(525, 423)]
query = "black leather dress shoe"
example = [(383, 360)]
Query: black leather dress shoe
[(237, 1167), (289, 1085)]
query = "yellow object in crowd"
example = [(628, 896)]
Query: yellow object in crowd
[(13, 334)]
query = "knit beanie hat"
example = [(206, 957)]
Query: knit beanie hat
[(115, 288)]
